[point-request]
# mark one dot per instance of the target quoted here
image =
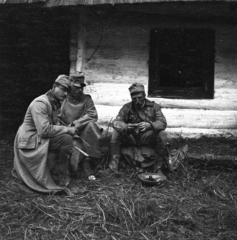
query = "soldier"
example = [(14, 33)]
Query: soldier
[(39, 134), (139, 133), (78, 110)]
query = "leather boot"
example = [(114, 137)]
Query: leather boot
[(86, 166), (163, 154), (64, 162), (114, 159), (113, 165), (114, 156)]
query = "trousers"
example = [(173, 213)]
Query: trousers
[(149, 139), (60, 151)]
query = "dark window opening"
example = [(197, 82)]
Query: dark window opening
[(181, 63)]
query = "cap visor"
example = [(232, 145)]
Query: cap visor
[(79, 84), (64, 85), (136, 93)]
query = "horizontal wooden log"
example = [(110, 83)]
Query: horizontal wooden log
[(114, 38), (113, 94), (177, 118), (212, 159), (113, 53), (200, 132), (187, 133)]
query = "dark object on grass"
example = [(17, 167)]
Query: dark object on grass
[(152, 179)]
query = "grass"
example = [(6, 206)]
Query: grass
[(197, 202)]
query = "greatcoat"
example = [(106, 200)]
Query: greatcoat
[(83, 114), (32, 142)]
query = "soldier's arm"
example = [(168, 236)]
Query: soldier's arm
[(120, 123), (160, 121), (90, 114)]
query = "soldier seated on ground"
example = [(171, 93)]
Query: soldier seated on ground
[(78, 110), (139, 133)]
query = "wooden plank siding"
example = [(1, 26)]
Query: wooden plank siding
[(122, 58)]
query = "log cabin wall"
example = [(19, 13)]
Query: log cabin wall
[(117, 55)]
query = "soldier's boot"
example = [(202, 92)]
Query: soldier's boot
[(52, 165), (64, 172), (86, 166), (164, 154), (114, 159), (113, 165)]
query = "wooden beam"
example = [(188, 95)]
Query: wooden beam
[(115, 94), (183, 118), (81, 41), (212, 160)]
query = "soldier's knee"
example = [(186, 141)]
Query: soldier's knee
[(162, 138), (91, 124), (162, 134), (115, 137)]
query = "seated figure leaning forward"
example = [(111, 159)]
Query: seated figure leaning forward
[(139, 134), (39, 134), (78, 110)]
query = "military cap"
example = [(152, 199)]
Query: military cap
[(78, 79), (136, 87), (63, 80)]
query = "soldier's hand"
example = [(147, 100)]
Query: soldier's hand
[(144, 126), (71, 130), (77, 125)]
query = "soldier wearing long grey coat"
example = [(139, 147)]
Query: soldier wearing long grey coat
[(40, 133)]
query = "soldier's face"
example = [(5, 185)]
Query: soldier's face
[(76, 91), (138, 99), (60, 92)]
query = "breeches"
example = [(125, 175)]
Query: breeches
[(59, 152)]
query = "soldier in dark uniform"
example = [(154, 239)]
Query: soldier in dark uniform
[(139, 133)]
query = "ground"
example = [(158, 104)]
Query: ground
[(198, 201)]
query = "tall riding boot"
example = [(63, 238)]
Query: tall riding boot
[(163, 154), (86, 166), (64, 163), (114, 156), (114, 159)]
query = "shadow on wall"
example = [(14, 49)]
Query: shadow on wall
[(34, 46)]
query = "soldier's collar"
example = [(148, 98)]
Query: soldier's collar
[(72, 99), (55, 103), (148, 103)]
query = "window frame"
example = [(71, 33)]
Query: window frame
[(206, 91)]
